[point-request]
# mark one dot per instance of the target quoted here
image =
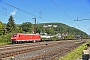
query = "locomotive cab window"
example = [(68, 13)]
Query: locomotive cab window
[(19, 35), (14, 35)]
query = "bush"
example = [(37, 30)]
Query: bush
[(5, 39), (69, 37)]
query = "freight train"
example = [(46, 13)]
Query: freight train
[(20, 37)]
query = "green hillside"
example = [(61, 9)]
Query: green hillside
[(54, 28)]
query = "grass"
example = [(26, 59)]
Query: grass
[(74, 54)]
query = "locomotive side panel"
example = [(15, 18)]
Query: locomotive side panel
[(25, 37)]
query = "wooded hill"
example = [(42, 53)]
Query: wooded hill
[(28, 27), (54, 28)]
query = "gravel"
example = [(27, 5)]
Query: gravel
[(34, 53)]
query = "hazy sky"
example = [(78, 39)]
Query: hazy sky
[(63, 11)]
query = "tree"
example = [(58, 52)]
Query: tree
[(1, 25), (1, 28), (11, 24), (27, 27), (39, 29), (18, 29)]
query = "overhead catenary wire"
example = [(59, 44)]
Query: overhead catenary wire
[(22, 10), (19, 9), (14, 17), (84, 14), (5, 10), (61, 9), (4, 14), (81, 19), (37, 9), (23, 18), (8, 14), (29, 5)]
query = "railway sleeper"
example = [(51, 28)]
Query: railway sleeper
[(15, 53), (42, 55), (50, 52), (58, 54), (28, 50)]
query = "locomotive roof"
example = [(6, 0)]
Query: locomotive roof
[(26, 34)]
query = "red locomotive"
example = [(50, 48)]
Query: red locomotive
[(19, 37)]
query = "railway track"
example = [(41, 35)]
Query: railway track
[(10, 50), (54, 54), (37, 51)]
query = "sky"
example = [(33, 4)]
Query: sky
[(48, 11)]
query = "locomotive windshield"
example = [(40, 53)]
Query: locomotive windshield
[(14, 35)]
